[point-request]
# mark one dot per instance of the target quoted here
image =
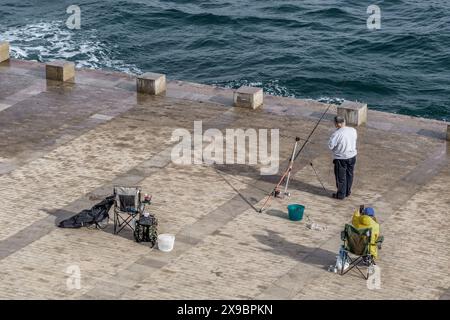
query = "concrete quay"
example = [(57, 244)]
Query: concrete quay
[(64, 144)]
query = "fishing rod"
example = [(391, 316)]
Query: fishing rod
[(236, 190), (287, 173), (312, 132)]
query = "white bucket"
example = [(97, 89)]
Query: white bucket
[(165, 242)]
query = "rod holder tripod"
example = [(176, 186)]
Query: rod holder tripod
[(287, 174)]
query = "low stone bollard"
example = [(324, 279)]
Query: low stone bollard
[(151, 83), (355, 113), (248, 97), (4, 51), (60, 70)]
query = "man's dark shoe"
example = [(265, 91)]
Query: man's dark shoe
[(336, 197)]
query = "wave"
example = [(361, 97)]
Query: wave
[(44, 41), (330, 13), (271, 87), (331, 100), (274, 88), (208, 18), (283, 8)]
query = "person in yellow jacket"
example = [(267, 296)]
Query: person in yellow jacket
[(365, 218)]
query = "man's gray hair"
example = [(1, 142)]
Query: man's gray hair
[(339, 119)]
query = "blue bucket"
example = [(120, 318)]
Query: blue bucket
[(295, 212)]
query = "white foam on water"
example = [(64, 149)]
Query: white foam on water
[(271, 87), (331, 100), (45, 41)]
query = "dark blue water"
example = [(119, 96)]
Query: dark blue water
[(309, 49)]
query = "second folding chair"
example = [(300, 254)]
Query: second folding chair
[(357, 243)]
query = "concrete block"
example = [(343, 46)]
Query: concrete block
[(4, 51), (448, 132), (151, 83), (248, 97), (60, 70), (355, 113)]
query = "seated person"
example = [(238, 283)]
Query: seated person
[(365, 218)]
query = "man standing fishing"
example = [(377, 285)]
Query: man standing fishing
[(343, 145)]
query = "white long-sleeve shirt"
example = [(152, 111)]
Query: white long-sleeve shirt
[(343, 143)]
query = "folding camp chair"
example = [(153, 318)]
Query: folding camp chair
[(127, 207), (356, 250)]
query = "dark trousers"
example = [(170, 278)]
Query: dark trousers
[(343, 170)]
